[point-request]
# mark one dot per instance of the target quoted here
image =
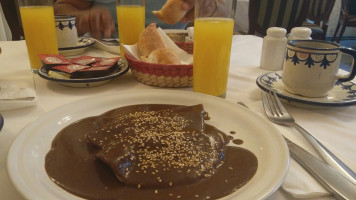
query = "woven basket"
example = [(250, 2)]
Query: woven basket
[(160, 75)]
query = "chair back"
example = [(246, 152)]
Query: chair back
[(276, 13), (320, 10), (348, 7), (12, 15)]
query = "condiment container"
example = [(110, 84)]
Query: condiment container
[(300, 33), (274, 49)]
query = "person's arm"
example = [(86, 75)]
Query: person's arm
[(94, 20), (189, 6), (209, 5)]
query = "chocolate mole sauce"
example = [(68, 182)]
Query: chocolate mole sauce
[(237, 141), (72, 164)]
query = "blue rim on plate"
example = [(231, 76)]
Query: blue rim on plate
[(120, 69), (83, 42), (343, 93)]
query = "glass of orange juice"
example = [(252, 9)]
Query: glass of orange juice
[(213, 30), (130, 21), (37, 18)]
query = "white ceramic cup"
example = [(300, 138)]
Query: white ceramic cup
[(67, 35), (311, 67)]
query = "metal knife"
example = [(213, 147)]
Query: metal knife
[(327, 176), (334, 182)]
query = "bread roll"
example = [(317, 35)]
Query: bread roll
[(171, 12), (149, 40), (163, 56)]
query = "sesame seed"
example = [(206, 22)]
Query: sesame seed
[(162, 140)]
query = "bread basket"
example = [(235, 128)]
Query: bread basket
[(160, 75)]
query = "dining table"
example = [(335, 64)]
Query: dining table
[(332, 126)]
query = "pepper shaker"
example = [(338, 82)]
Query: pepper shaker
[(274, 49), (300, 33)]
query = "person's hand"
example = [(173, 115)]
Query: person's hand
[(96, 20)]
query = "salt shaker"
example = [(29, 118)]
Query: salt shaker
[(274, 49), (300, 33)]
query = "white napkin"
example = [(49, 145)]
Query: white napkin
[(185, 57), (10, 92), (190, 33), (190, 37), (298, 182)]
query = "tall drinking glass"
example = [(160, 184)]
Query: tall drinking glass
[(130, 20), (213, 30), (40, 34)]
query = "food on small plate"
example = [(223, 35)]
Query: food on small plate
[(69, 68), (152, 48), (148, 151), (58, 75), (97, 71), (171, 12), (106, 62), (51, 59), (84, 60), (81, 67)]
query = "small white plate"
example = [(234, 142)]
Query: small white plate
[(83, 44), (26, 157), (111, 45), (342, 94), (120, 68)]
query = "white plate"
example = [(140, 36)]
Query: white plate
[(82, 45), (121, 69), (111, 45), (342, 94), (27, 153)]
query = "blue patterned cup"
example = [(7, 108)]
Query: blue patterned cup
[(67, 35), (311, 67)]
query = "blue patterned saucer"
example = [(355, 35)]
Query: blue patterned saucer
[(82, 45), (343, 93)]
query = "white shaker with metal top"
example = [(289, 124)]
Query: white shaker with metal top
[(274, 49), (300, 33)]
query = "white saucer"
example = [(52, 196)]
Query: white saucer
[(111, 45), (343, 93), (83, 44)]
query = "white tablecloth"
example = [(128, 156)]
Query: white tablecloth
[(334, 127)]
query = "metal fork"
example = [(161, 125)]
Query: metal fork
[(276, 112)]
